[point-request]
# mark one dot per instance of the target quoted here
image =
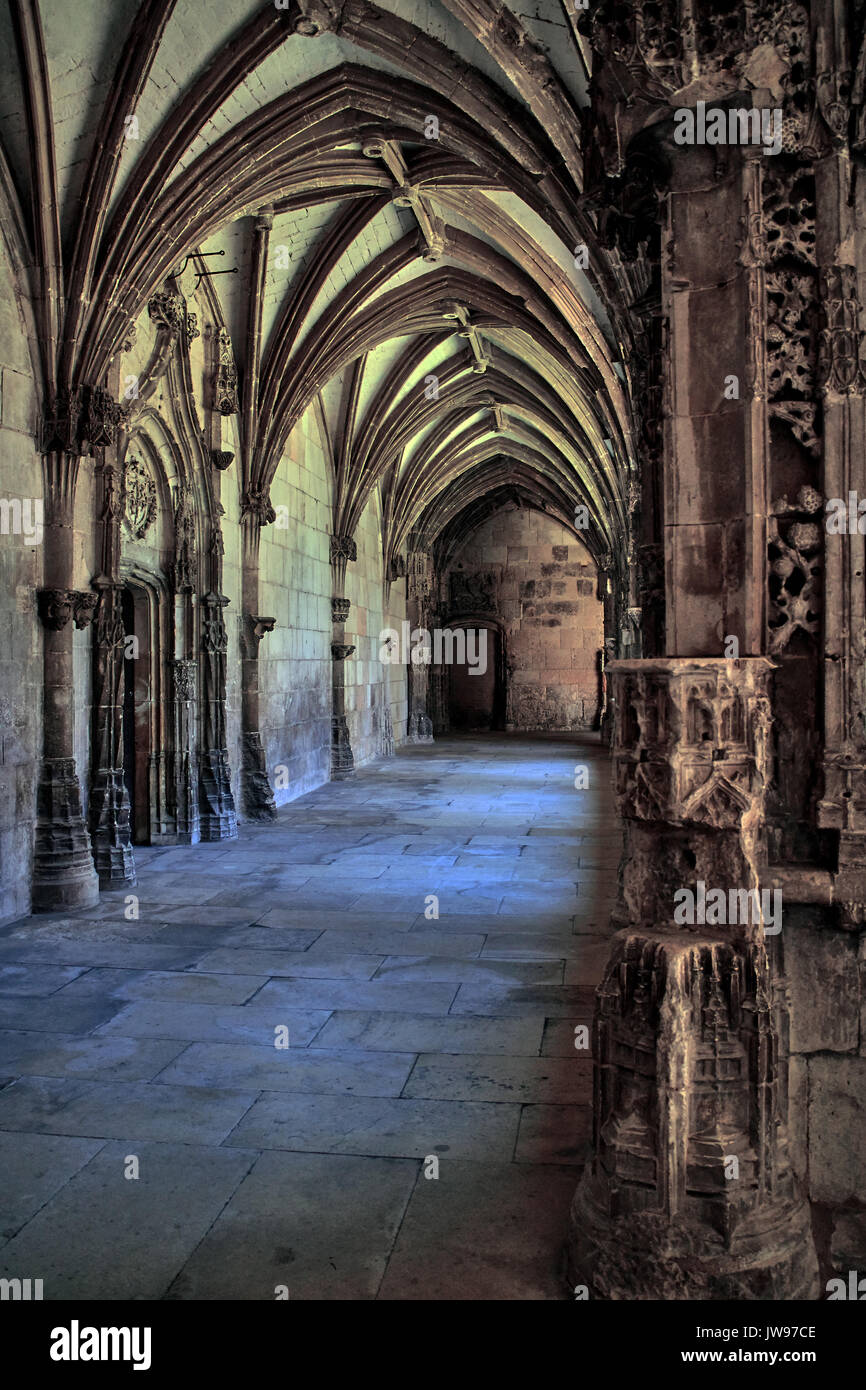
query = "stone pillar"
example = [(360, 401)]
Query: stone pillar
[(419, 585), (689, 1193), (343, 549), (75, 424), (109, 799), (216, 802), (109, 808), (258, 797), (842, 383)]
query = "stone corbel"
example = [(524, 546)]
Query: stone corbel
[(339, 651), (256, 626), (57, 606), (221, 458)]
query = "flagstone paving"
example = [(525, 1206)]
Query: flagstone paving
[(288, 1076)]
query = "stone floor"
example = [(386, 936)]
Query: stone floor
[(156, 1044)]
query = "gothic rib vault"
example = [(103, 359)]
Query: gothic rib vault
[(453, 255)]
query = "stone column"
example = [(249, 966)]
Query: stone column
[(842, 384), (259, 804), (76, 424), (343, 549), (216, 802), (689, 1193), (419, 585), (109, 809)]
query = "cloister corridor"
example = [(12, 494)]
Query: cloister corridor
[(411, 1037)]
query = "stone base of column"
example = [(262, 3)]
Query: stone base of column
[(259, 802), (110, 830), (420, 728), (63, 874), (216, 804), (690, 1193), (342, 758)]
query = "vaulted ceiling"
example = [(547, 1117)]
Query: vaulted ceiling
[(400, 190)]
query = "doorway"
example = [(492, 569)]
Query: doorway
[(476, 688)]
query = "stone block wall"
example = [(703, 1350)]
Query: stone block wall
[(826, 969), (20, 633), (295, 659), (528, 571)]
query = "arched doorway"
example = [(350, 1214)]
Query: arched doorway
[(476, 684), (146, 733)]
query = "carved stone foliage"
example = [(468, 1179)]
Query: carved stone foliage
[(168, 311), (221, 458), (340, 651), (787, 231), (140, 504), (795, 554), (192, 329), (691, 741), (226, 383), (58, 606), (340, 609)]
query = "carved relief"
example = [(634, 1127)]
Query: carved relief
[(795, 553), (226, 384), (343, 548), (184, 539), (139, 498), (690, 744), (167, 310), (340, 609)]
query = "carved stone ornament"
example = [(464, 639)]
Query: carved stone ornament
[(256, 502), (221, 458), (340, 609), (184, 680), (58, 606), (139, 498), (168, 311), (226, 385), (692, 739), (77, 422), (343, 548), (339, 651)]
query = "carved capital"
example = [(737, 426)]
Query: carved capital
[(340, 609), (343, 548), (256, 502), (339, 651)]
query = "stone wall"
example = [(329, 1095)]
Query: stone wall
[(295, 659), (527, 570), (20, 575), (827, 1124)]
